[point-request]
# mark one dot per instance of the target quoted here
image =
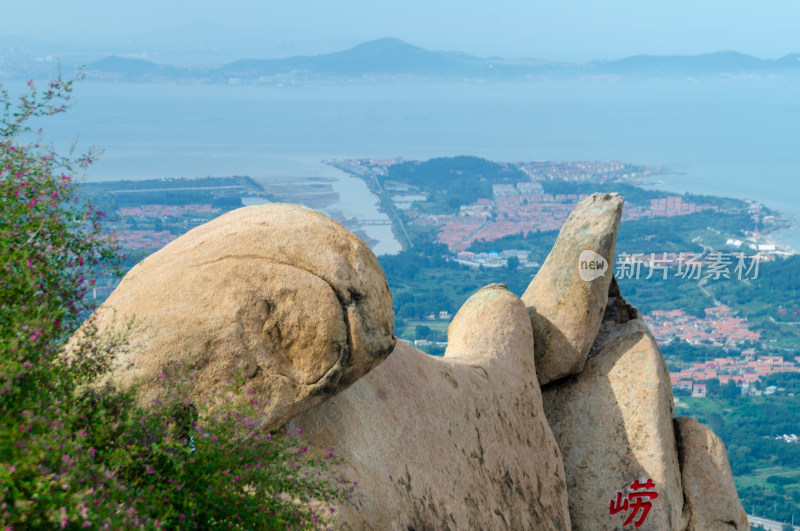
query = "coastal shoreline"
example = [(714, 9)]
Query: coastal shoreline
[(786, 223), (649, 180)]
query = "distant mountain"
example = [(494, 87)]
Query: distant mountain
[(683, 65), (132, 67), (382, 56), (792, 60), (393, 57)]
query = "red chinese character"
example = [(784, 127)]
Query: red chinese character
[(634, 501), (621, 505), (646, 485)]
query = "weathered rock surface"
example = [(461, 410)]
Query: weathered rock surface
[(458, 442), (293, 301), (278, 292), (711, 501), (566, 310), (613, 424)]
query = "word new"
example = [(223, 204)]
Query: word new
[(591, 265), (634, 501)]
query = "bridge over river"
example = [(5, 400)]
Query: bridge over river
[(368, 222)]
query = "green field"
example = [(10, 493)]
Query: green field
[(766, 471)]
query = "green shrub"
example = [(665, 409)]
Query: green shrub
[(74, 453)]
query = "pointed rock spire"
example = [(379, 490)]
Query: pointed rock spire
[(568, 296)]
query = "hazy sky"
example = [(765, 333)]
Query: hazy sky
[(574, 30)]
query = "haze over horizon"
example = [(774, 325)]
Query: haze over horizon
[(577, 31)]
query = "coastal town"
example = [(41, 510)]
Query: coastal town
[(145, 215), (525, 207), (140, 226), (720, 327), (745, 371)]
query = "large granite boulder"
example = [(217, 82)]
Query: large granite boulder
[(711, 501), (568, 296), (613, 424), (458, 442), (277, 293)]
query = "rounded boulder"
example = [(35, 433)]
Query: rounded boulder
[(278, 297)]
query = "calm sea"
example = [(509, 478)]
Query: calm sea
[(735, 138)]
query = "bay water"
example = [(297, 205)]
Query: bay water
[(734, 137)]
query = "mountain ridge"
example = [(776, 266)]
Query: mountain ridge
[(394, 57)]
